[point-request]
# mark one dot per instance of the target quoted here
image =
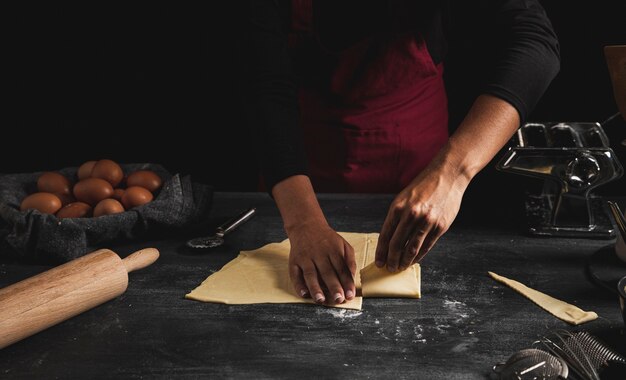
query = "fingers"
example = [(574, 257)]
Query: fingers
[(416, 231), (330, 278), (429, 243), (309, 273), (333, 277), (398, 243), (416, 241), (297, 279), (350, 257), (386, 233), (323, 271), (344, 272)]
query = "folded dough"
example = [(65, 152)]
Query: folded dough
[(379, 282), (261, 276), (562, 310)]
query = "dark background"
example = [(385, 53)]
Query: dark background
[(138, 83)]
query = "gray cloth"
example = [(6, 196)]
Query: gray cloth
[(33, 235)]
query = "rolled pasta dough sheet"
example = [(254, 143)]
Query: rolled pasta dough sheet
[(261, 276)]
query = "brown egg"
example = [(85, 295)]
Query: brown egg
[(109, 171), (84, 171), (144, 178), (108, 207), (118, 194), (55, 183), (75, 210), (92, 190), (66, 198), (46, 203), (136, 196)]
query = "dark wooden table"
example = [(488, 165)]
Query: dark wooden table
[(464, 324)]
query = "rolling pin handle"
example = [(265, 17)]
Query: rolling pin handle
[(140, 259)]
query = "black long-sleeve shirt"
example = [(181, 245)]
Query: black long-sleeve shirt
[(525, 46)]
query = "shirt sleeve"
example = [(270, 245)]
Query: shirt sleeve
[(527, 58), (271, 96)]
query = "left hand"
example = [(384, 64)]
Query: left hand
[(419, 216)]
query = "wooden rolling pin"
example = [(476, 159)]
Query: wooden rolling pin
[(41, 301)]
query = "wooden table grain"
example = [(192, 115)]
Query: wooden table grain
[(463, 325)]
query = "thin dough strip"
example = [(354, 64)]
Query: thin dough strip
[(562, 310)]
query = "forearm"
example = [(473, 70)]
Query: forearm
[(320, 260), (424, 210), (488, 126), (297, 203)]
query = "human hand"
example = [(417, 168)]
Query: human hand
[(424, 211), (419, 216), (321, 263)]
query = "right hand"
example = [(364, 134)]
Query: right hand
[(321, 263)]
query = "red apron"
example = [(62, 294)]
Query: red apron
[(381, 119)]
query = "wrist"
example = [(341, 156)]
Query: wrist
[(455, 164), (298, 204), (301, 225)]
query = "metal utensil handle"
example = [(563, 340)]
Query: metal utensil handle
[(235, 222), (619, 218)]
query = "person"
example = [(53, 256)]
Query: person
[(349, 96)]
